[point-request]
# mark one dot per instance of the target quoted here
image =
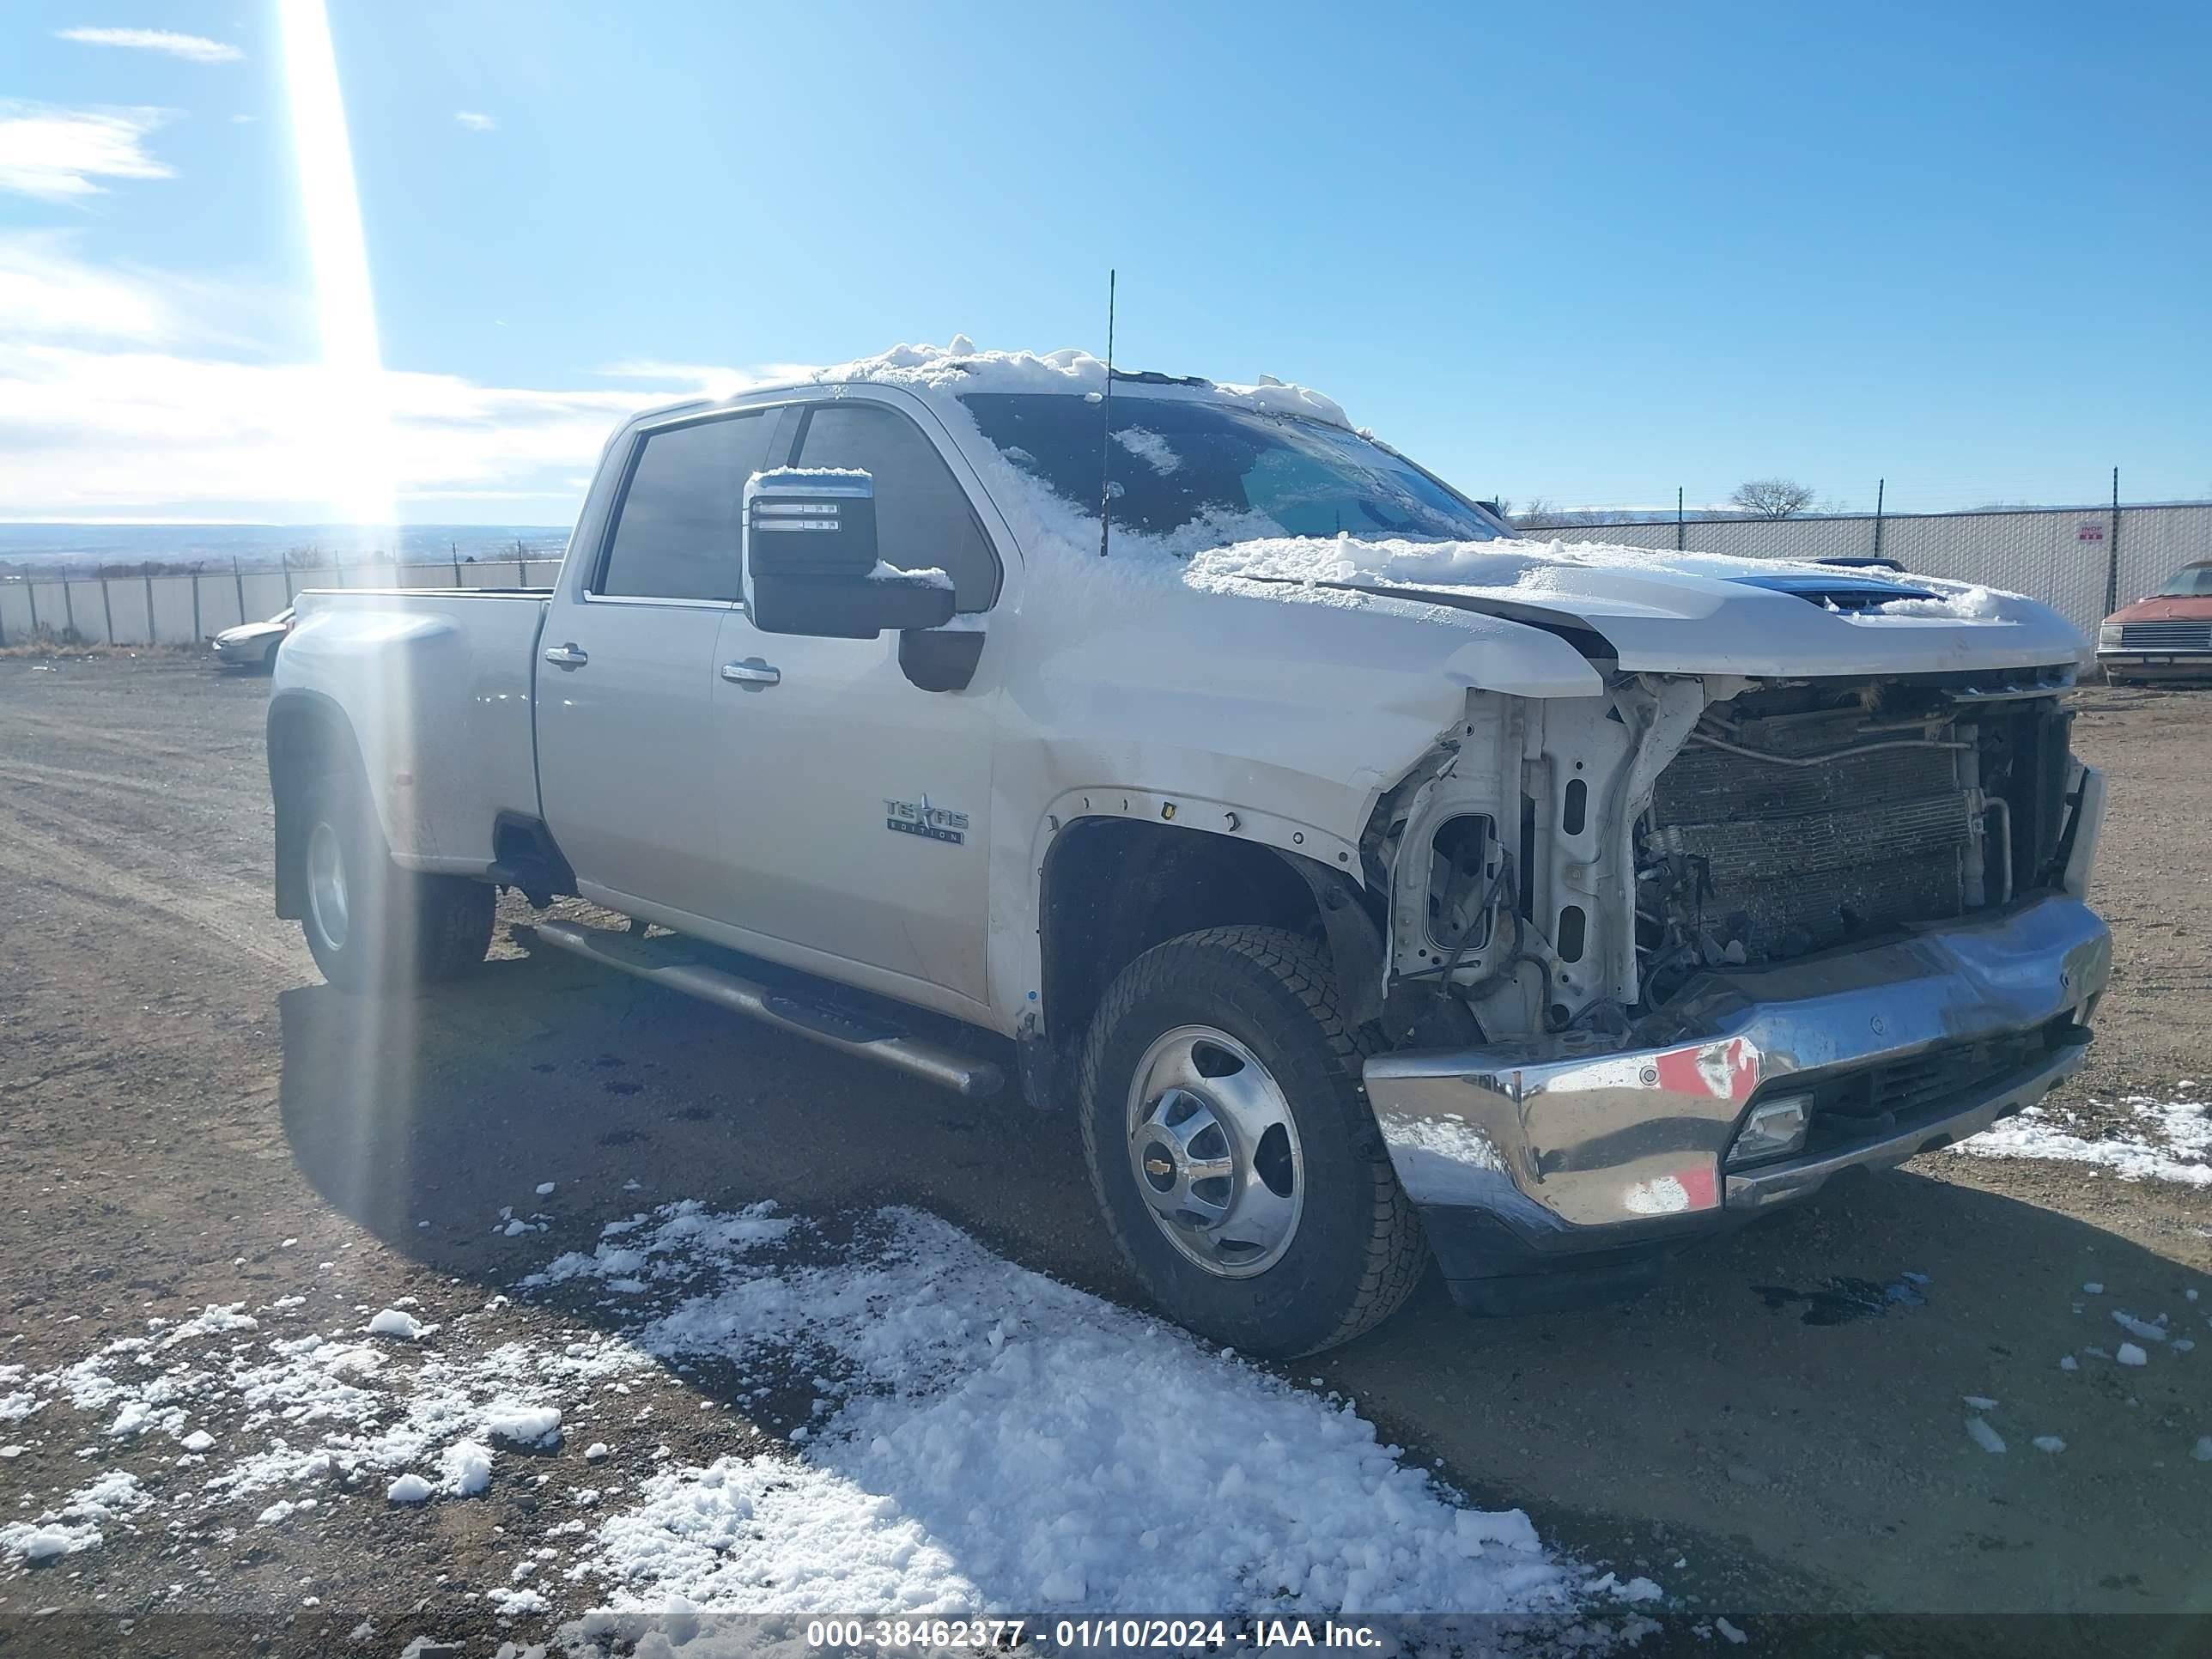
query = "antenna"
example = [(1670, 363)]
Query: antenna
[(1106, 429)]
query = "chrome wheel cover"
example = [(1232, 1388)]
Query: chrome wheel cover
[(326, 885), (1214, 1149)]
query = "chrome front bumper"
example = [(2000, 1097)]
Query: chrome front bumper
[(1577, 1145)]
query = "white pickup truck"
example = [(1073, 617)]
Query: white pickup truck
[(1374, 885)]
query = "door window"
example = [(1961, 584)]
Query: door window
[(923, 519), (676, 528)]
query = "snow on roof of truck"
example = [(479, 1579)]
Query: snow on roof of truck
[(959, 368)]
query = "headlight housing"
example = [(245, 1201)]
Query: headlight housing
[(2107, 634)]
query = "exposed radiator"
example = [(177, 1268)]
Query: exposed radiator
[(1782, 859)]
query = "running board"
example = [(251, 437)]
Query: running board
[(678, 963)]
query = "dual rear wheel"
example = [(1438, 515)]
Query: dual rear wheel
[(371, 925)]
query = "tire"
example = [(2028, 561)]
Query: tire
[(370, 924), (1353, 1250)]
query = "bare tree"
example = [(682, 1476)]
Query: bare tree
[(1773, 498), (1541, 514)]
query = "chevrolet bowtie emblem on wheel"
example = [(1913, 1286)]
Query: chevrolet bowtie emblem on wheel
[(1158, 1166)]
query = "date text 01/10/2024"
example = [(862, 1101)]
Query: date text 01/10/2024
[(1212, 1635)]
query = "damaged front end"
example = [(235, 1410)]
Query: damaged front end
[(1664, 956)]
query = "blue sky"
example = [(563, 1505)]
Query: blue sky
[(1585, 253)]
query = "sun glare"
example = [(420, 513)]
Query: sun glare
[(355, 418)]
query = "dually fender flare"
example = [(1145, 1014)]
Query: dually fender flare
[(1328, 863), (295, 710)]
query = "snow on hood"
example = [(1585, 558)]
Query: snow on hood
[(1537, 572), (1687, 612)]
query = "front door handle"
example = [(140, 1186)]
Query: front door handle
[(571, 655), (752, 673)]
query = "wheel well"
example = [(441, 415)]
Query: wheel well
[(1113, 889), (309, 737)]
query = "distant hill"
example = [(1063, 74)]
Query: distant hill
[(263, 546)]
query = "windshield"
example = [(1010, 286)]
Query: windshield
[(2192, 581), (1174, 464)]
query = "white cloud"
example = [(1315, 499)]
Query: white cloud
[(126, 392), (473, 121), (44, 292), (49, 151), (193, 48), (707, 379)]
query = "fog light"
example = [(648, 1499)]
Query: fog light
[(1774, 1127)]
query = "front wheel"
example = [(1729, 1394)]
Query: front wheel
[(1232, 1148), (370, 924)]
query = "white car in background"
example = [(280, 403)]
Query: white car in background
[(252, 645)]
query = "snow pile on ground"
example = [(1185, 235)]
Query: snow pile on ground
[(686, 1242), (320, 1412), (113, 1496), (2171, 1140), (955, 1434), (1152, 1474)]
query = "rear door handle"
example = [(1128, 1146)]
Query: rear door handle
[(567, 656), (752, 673)]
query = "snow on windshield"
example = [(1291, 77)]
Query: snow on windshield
[(1147, 446), (1178, 461)]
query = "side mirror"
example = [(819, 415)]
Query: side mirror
[(810, 564)]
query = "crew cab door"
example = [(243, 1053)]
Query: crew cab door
[(628, 715), (856, 803)]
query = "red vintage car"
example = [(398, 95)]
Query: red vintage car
[(2167, 636)]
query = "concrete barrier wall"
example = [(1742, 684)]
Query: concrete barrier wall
[(186, 609)]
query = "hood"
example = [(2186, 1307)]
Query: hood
[(1688, 613), (2166, 607)]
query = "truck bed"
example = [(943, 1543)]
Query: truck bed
[(439, 683)]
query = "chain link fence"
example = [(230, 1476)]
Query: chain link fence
[(2084, 562)]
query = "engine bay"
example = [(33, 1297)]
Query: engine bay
[(1572, 864)]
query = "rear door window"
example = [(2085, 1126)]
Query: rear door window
[(923, 518), (676, 528)]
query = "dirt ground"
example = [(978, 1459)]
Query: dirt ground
[(188, 1117)]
